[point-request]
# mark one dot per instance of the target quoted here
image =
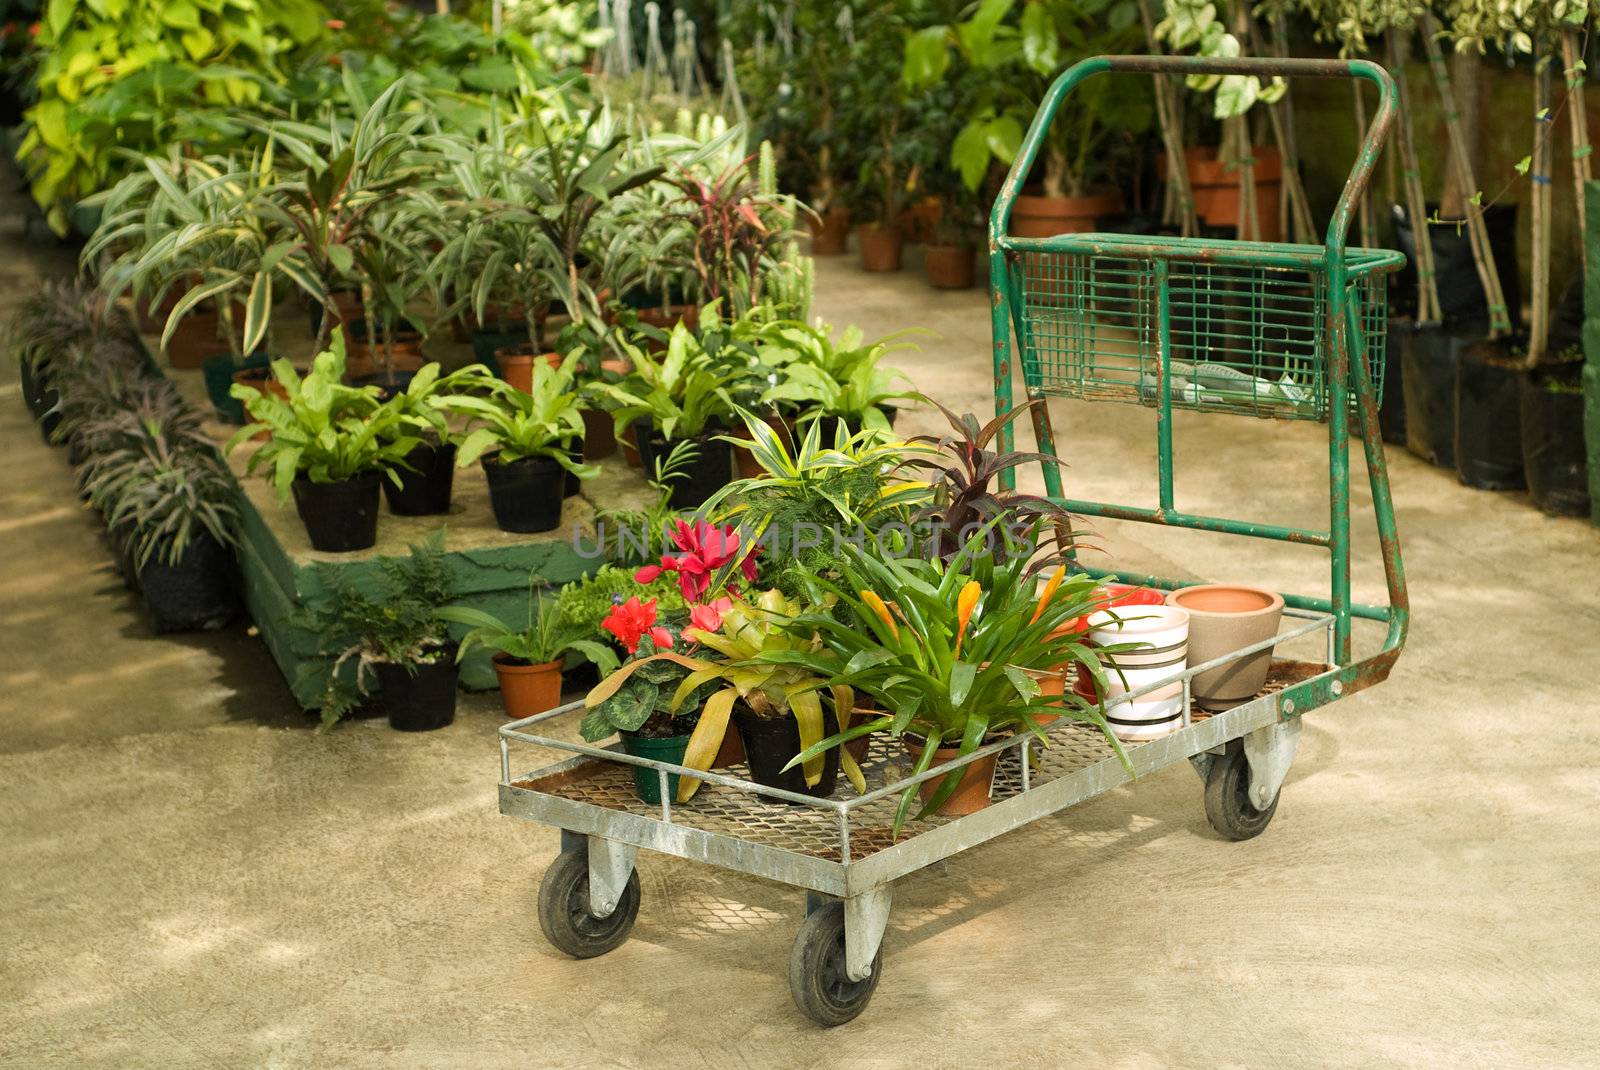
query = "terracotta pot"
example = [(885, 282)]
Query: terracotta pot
[(919, 222), (1223, 618), (618, 366), (1045, 217), (732, 750), (830, 234), (599, 434), (516, 365), (528, 689), (748, 467), (630, 447), (668, 318), (972, 795), (1052, 684), (880, 247), (949, 267), (405, 355), (1216, 188), (263, 380), (196, 338)]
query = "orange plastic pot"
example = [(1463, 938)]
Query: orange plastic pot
[(830, 233), (880, 247), (528, 689), (1045, 217), (972, 795), (1216, 187), (516, 366)]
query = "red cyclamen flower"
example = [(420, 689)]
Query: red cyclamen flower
[(708, 617), (705, 549), (634, 619)]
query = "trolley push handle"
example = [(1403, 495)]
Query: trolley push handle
[(1261, 67)]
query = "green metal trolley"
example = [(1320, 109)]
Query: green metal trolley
[(1265, 330)]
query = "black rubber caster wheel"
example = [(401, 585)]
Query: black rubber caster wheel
[(564, 909), (816, 970), (1228, 805)]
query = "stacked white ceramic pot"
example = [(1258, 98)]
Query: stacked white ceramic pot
[(1161, 638)]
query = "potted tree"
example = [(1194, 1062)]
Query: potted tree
[(529, 660), (327, 443), (392, 639), (527, 441)]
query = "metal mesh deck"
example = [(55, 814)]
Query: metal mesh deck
[(1244, 335), (810, 831)]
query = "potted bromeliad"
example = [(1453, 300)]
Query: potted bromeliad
[(392, 641), (529, 660), (327, 443), (832, 381), (529, 442), (950, 653)]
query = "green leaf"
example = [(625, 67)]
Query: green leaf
[(1040, 43), (1524, 164), (180, 14), (342, 258), (962, 674)]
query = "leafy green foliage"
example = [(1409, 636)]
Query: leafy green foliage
[(642, 701), (820, 377), (588, 601), (682, 393), (547, 635), (542, 423)]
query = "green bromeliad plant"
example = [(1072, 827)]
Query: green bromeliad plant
[(948, 651), (819, 375), (513, 425)]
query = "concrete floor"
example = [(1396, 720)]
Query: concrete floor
[(189, 877)]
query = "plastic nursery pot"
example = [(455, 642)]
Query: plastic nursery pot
[(629, 439), (572, 484), (769, 744), (34, 387), (1045, 217), (516, 364), (879, 247), (700, 478), (1553, 453), (525, 495), (200, 593), (1428, 360), (491, 337), (599, 434), (647, 782), (1461, 297), (194, 340), (419, 698), (339, 517), (527, 688), (1162, 635), (1488, 434), (1052, 686), (977, 778), (1392, 405), (261, 377), (219, 371), (949, 267), (830, 232), (1223, 618), (426, 480)]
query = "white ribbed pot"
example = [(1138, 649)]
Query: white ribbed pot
[(1224, 617), (1162, 633)]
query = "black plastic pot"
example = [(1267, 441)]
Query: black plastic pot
[(199, 593), (1392, 405), (1461, 297), (769, 744), (218, 372), (36, 390), (339, 517), (1553, 454), (426, 480), (709, 471), (830, 425), (526, 495), (1488, 416), (1428, 373), (573, 484), (419, 698)]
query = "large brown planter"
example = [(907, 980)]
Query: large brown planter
[(972, 795), (1216, 188), (1045, 217), (949, 267), (405, 355), (880, 247), (599, 434), (516, 365), (1223, 618), (197, 336), (830, 232), (528, 689)]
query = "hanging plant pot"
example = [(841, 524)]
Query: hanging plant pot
[(419, 698), (1162, 633), (830, 232), (949, 267), (426, 481), (647, 782), (599, 434), (1428, 362), (700, 478), (197, 593), (1553, 451), (527, 688), (770, 743), (1488, 435), (977, 778), (1223, 618), (219, 371), (880, 247), (1045, 217), (339, 517), (526, 495)]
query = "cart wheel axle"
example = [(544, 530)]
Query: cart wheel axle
[(818, 978), (1228, 805), (564, 909)]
